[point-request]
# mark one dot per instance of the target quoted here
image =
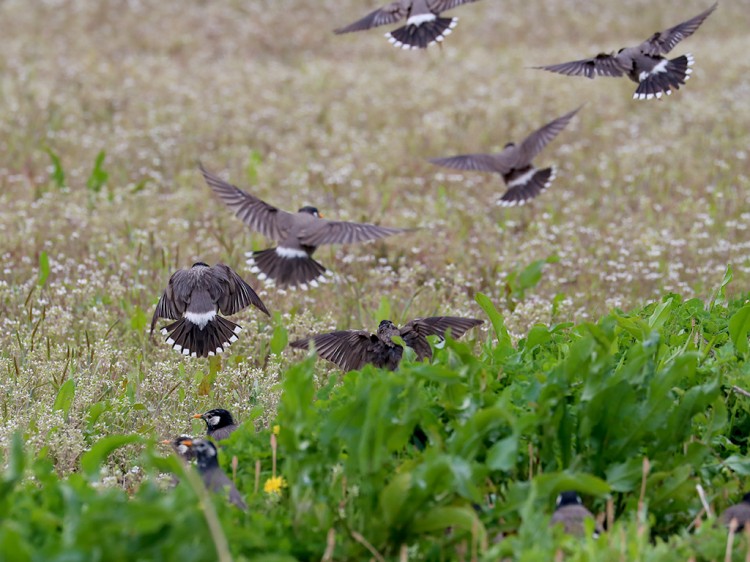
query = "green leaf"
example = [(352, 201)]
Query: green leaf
[(58, 174), (503, 454), (138, 320), (279, 339), (739, 325), (660, 315), (92, 460), (43, 268), (99, 176), (442, 518), (738, 464), (393, 496), (498, 322), (65, 396), (720, 297)]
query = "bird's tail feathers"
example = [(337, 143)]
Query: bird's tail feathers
[(673, 75), (189, 339), (298, 271), (421, 36)]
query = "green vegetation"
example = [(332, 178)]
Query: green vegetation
[(461, 458), (107, 111)]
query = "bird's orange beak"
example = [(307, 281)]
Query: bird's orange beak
[(197, 416)]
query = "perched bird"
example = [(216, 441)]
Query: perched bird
[(290, 264), (739, 512), (219, 423), (193, 297), (424, 26), (644, 63), (353, 349), (179, 445), (213, 476), (523, 180), (569, 511)]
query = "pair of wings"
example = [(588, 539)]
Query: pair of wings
[(353, 349), (276, 224), (233, 293), (513, 157), (395, 11), (660, 43)]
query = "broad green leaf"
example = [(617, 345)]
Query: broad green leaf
[(43, 268), (279, 339), (720, 296), (92, 460), (660, 315), (738, 464), (498, 322), (739, 326), (393, 496), (65, 396), (442, 518), (503, 454)]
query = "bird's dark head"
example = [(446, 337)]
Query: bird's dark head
[(386, 329), (216, 418), (182, 445), (311, 211), (568, 498), (200, 264), (205, 453)]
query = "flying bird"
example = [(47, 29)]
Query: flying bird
[(570, 511), (193, 298), (522, 179), (213, 476), (290, 264), (423, 28), (353, 349), (645, 63), (219, 423), (739, 512)]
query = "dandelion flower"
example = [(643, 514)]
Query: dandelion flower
[(274, 485)]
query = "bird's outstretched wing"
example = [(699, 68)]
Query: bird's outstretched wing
[(255, 213), (500, 163), (349, 349), (602, 64), (415, 333), (388, 14), (664, 41), (438, 6), (174, 299), (339, 232), (237, 294), (536, 141)]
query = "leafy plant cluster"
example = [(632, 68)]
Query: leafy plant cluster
[(458, 459)]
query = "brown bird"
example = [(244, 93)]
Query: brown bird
[(353, 349), (213, 476), (219, 423), (643, 64), (523, 180), (570, 511), (424, 26), (193, 298), (739, 512), (299, 234)]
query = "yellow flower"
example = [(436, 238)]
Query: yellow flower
[(276, 429), (274, 485)]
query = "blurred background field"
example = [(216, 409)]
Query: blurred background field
[(108, 106)]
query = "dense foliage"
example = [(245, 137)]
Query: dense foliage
[(458, 459)]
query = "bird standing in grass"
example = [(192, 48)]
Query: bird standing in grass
[(193, 298), (570, 511), (353, 349), (424, 26), (299, 234), (523, 180), (213, 476), (219, 423), (645, 63)]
